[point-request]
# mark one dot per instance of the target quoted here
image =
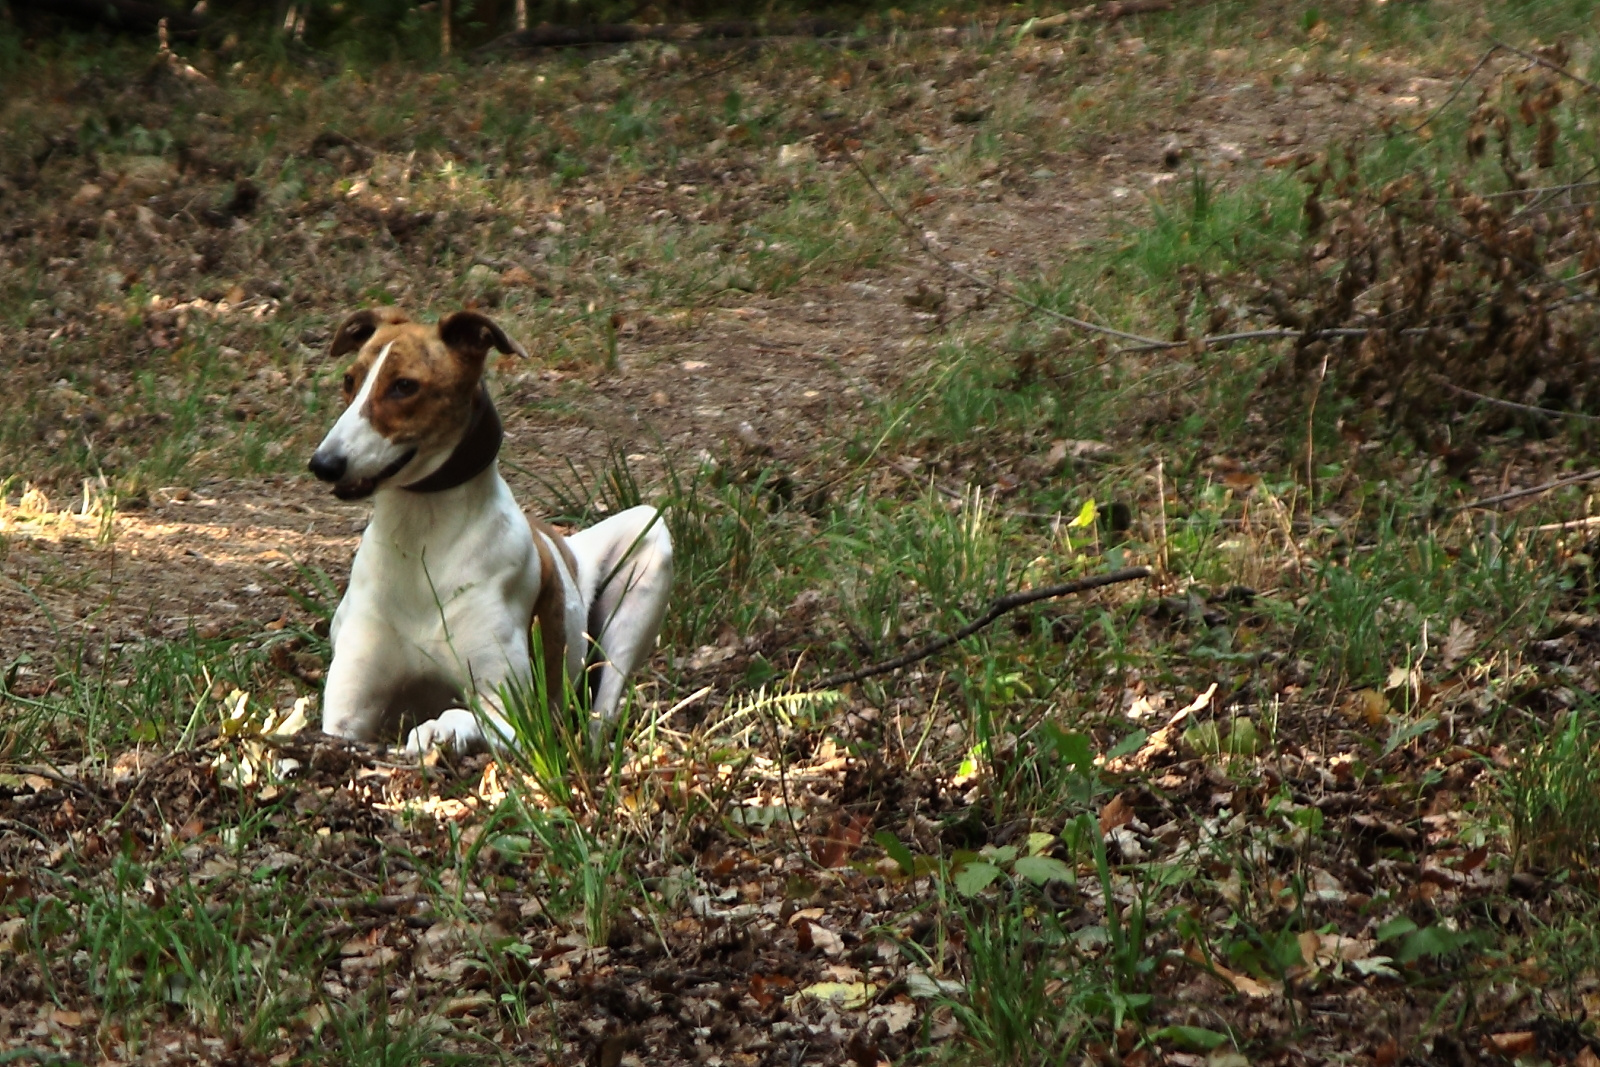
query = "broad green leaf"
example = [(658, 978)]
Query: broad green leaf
[(969, 766), (1039, 843), (1073, 748), (1193, 1038), (1128, 745), (1203, 738), (1042, 869), (1396, 927), (1308, 817), (1408, 733), (1000, 854), (1432, 941), (974, 878), (897, 852), (1243, 738), (1086, 515)]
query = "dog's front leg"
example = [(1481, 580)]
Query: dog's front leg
[(457, 729), (365, 661), (494, 675)]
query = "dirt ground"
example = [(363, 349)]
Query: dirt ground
[(797, 368)]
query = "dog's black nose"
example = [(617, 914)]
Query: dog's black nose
[(327, 468)]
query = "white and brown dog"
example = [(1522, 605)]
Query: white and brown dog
[(450, 575)]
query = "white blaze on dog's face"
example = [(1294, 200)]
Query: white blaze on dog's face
[(408, 396)]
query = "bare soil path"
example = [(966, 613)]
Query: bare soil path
[(797, 368)]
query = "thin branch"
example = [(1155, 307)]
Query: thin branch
[(1266, 335), (1547, 194), (1567, 188), (1534, 57), (1009, 602), (1570, 524), (1460, 85), (1559, 483), (1551, 412)]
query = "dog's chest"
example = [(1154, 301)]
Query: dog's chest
[(436, 574)]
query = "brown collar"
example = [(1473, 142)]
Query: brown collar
[(478, 447)]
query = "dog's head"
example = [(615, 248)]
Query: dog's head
[(408, 396)]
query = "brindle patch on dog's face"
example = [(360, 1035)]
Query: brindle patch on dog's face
[(408, 396), (423, 391)]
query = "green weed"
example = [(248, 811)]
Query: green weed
[(216, 959), (1551, 794)]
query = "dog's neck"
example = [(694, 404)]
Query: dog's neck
[(477, 449)]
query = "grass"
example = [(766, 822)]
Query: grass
[(1417, 772)]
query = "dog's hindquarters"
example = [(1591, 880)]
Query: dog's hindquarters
[(625, 573)]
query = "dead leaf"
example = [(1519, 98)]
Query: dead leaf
[(843, 837), (1310, 943), (846, 995), (1458, 645), (1241, 983), (1511, 1043), (1386, 1054), (896, 1016), (1586, 1058), (471, 1004), (1367, 705), (69, 1019), (768, 988), (811, 934), (1115, 815), (925, 299)]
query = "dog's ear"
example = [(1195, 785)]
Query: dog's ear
[(473, 334), (354, 331)]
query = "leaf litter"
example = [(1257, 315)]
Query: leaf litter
[(1308, 862)]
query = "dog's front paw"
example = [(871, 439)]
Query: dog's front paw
[(456, 729)]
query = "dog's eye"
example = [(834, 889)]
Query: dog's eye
[(404, 387), (349, 383)]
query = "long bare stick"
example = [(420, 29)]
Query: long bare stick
[(1559, 483), (1534, 57), (1553, 413), (1001, 605), (1460, 85)]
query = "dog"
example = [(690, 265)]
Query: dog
[(451, 577)]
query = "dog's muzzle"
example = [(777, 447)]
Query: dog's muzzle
[(333, 468), (327, 468)]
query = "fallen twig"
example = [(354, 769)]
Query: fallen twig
[(1559, 483), (1460, 85), (1009, 602), (1570, 524), (1513, 405), (1534, 57)]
